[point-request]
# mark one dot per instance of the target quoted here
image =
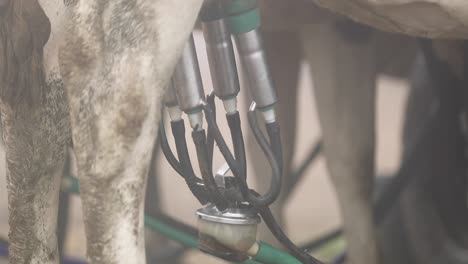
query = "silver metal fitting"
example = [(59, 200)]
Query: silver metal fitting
[(254, 60), (170, 97), (170, 101), (234, 228), (221, 59), (187, 80), (231, 216)]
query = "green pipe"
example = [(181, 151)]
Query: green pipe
[(243, 16), (269, 254), (170, 232)]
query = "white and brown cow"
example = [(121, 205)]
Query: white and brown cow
[(93, 72), (347, 114)]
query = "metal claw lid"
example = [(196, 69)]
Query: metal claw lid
[(233, 216)]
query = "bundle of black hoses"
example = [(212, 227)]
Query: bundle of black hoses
[(275, 186), (209, 191), (182, 166), (273, 152), (199, 138)]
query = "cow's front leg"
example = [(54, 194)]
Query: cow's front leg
[(344, 80), (35, 144), (118, 57), (35, 128)]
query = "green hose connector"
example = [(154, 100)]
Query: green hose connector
[(243, 16), (70, 184), (240, 6), (170, 232), (271, 255)]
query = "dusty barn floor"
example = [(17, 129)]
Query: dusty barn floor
[(308, 215)]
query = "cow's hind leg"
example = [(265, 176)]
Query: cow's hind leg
[(118, 58), (344, 79), (36, 142)]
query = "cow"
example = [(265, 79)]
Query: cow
[(443, 21), (93, 73), (350, 135), (345, 59)]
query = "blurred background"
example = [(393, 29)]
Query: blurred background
[(312, 209)]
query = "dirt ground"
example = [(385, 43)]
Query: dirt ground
[(312, 209)]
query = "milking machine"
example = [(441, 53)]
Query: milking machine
[(228, 223)]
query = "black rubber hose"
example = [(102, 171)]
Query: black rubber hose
[(178, 130), (199, 138), (218, 137), (273, 131), (224, 149), (234, 123), (210, 99), (275, 228), (194, 183), (168, 152), (239, 151), (275, 185)]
